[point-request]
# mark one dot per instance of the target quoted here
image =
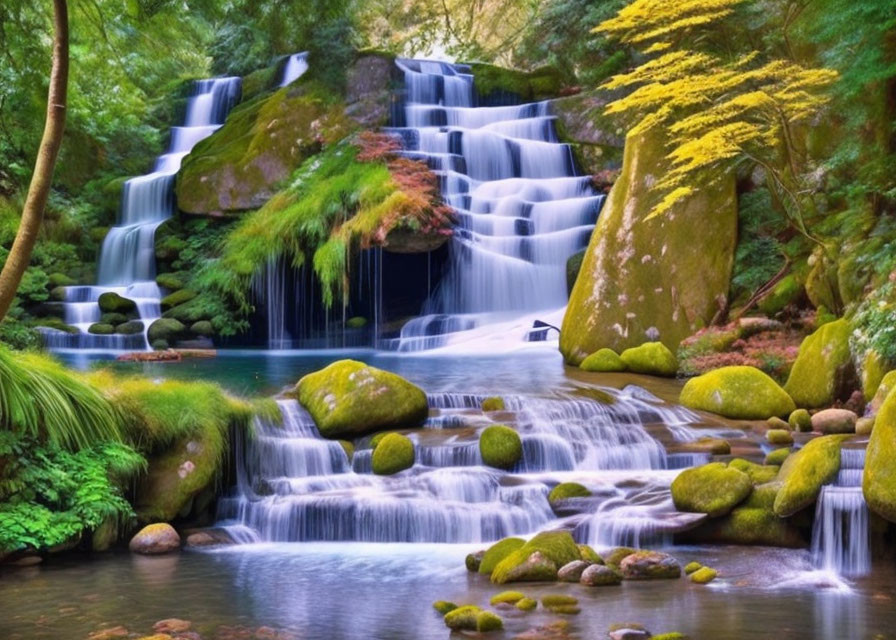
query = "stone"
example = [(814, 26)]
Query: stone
[(759, 473), (567, 490), (832, 421), (111, 302), (887, 384), (393, 454), (691, 567), (824, 370), (100, 329), (603, 361), (168, 330), (526, 604), (538, 559), (779, 436), (130, 328), (177, 298), (506, 597), (202, 328), (864, 426), (598, 575), (777, 423), (536, 567), (172, 625), (155, 539), (804, 472), (572, 571), (349, 399), (628, 631), (462, 618), (649, 565), (714, 489), (443, 606), (201, 539), (474, 560), (497, 552), (500, 447), (650, 358), (739, 392), (487, 621), (879, 477), (800, 420), (704, 575), (777, 456), (493, 403)]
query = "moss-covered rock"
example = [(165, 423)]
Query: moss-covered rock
[(777, 456), (589, 555), (113, 318), (527, 604), (487, 621), (595, 137), (651, 358), (887, 384), (100, 329), (443, 606), (704, 575), (111, 302), (649, 565), (357, 322), (179, 297), (789, 290), (713, 489), (804, 472), (824, 370), (779, 436), (500, 85), (759, 473), (737, 392), (395, 453), (473, 561), (500, 446), (691, 567), (129, 328), (864, 426), (879, 478), (617, 555), (506, 597), (202, 328), (604, 361), (60, 280), (166, 329), (557, 599), (553, 548), (463, 618), (170, 281), (497, 552), (350, 398), (493, 403), (800, 420), (566, 490), (643, 277), (598, 575), (873, 371)]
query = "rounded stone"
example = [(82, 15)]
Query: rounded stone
[(598, 575), (500, 447), (832, 421), (649, 565), (155, 539)]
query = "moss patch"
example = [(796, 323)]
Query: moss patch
[(497, 552), (493, 403), (737, 392), (507, 597)]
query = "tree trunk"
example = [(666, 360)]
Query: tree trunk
[(39, 189)]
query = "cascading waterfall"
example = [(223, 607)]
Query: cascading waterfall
[(840, 533), (127, 257), (295, 67), (521, 209), (293, 485)]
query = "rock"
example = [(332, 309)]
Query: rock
[(759, 474), (777, 457), (538, 559), (713, 489), (779, 436), (557, 599), (201, 539), (598, 575), (497, 552), (879, 477), (617, 555), (641, 274), (883, 390), (649, 565), (704, 575), (170, 281), (800, 420), (462, 618), (111, 302), (691, 567), (177, 298), (395, 453), (130, 328), (589, 555), (172, 625), (168, 330), (777, 423), (155, 539), (349, 398), (572, 571), (113, 318), (506, 597), (712, 446), (628, 631), (651, 358), (105, 535), (567, 490), (493, 403), (100, 329), (202, 328), (603, 360), (474, 560), (864, 426), (573, 266), (487, 621), (443, 606), (834, 421), (824, 370), (740, 392), (526, 604), (804, 472), (500, 447)]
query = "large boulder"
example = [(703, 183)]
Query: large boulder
[(111, 302), (887, 384), (834, 421), (713, 489), (804, 472), (824, 370), (155, 539), (349, 399), (879, 479), (667, 275), (744, 393), (538, 559), (497, 552)]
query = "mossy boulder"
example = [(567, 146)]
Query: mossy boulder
[(349, 398), (800, 420), (617, 555), (111, 302), (130, 328), (356, 322), (202, 328), (740, 392), (759, 473), (573, 266), (538, 559), (113, 318), (493, 403), (567, 490), (443, 606), (704, 575), (498, 85), (598, 575), (749, 526), (395, 453), (824, 370), (506, 597), (497, 552), (487, 621), (649, 565), (804, 472), (589, 555), (168, 330), (779, 436), (645, 277), (100, 329), (879, 478), (777, 456), (887, 384), (604, 361), (651, 358), (177, 298), (473, 561), (714, 489), (873, 372), (462, 618), (500, 446), (60, 280), (170, 281), (527, 604), (691, 567)]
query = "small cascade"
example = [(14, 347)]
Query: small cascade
[(293, 485), (295, 67), (522, 211), (840, 534), (127, 257)]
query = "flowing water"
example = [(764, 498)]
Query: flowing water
[(295, 67)]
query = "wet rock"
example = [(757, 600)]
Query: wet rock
[(628, 631), (691, 567), (155, 539), (487, 621), (500, 447), (603, 361), (759, 474), (617, 555), (493, 403), (823, 371), (777, 457), (714, 489), (393, 454), (589, 555), (536, 567), (650, 358), (834, 421), (507, 597), (649, 565), (598, 575), (704, 575), (567, 490), (496, 553), (474, 560), (777, 423), (538, 559), (804, 472), (740, 392), (800, 420), (172, 625), (557, 630), (572, 571), (462, 618), (443, 606), (779, 436), (526, 604), (111, 302)]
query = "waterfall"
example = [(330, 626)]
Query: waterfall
[(295, 67), (127, 257), (294, 485), (521, 209), (840, 534)]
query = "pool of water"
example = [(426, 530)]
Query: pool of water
[(359, 591)]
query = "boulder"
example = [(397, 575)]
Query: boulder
[(179, 297), (740, 392), (487, 621), (538, 559), (759, 474), (824, 370), (567, 490), (645, 276), (497, 552), (691, 567), (462, 618), (572, 571), (170, 281), (100, 329), (704, 575), (650, 358), (589, 555), (527, 604), (628, 631), (202, 328), (834, 421), (130, 328), (883, 390), (165, 329), (777, 423), (493, 403), (879, 477), (713, 489), (804, 472), (393, 454), (598, 575), (506, 597), (111, 302), (500, 446), (779, 436), (155, 539), (603, 360), (649, 565), (349, 398), (800, 420), (777, 456), (474, 560)]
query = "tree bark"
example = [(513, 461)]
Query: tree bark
[(39, 189)]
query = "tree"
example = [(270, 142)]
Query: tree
[(39, 189), (721, 105)]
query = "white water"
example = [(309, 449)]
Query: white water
[(127, 257), (295, 67), (521, 209)]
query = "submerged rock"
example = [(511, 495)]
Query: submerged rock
[(744, 393), (567, 490), (714, 489), (507, 597), (823, 371), (349, 398), (155, 539), (649, 565)]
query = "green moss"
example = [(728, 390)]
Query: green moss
[(590, 555), (879, 478), (130, 328), (565, 609), (800, 420), (603, 360), (177, 298), (566, 490), (887, 384), (873, 371), (357, 322), (737, 392), (487, 621), (493, 82), (113, 318), (713, 489), (527, 604), (462, 618), (555, 599), (378, 437), (395, 453), (493, 403), (101, 329), (573, 266), (473, 560), (497, 552), (803, 474), (349, 449), (704, 575), (111, 302), (777, 457), (788, 291), (167, 329), (202, 328), (500, 447), (170, 281), (691, 567), (61, 280), (350, 398), (759, 474), (651, 358), (779, 436), (507, 597), (617, 555), (823, 371), (751, 526), (557, 547), (443, 606)]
